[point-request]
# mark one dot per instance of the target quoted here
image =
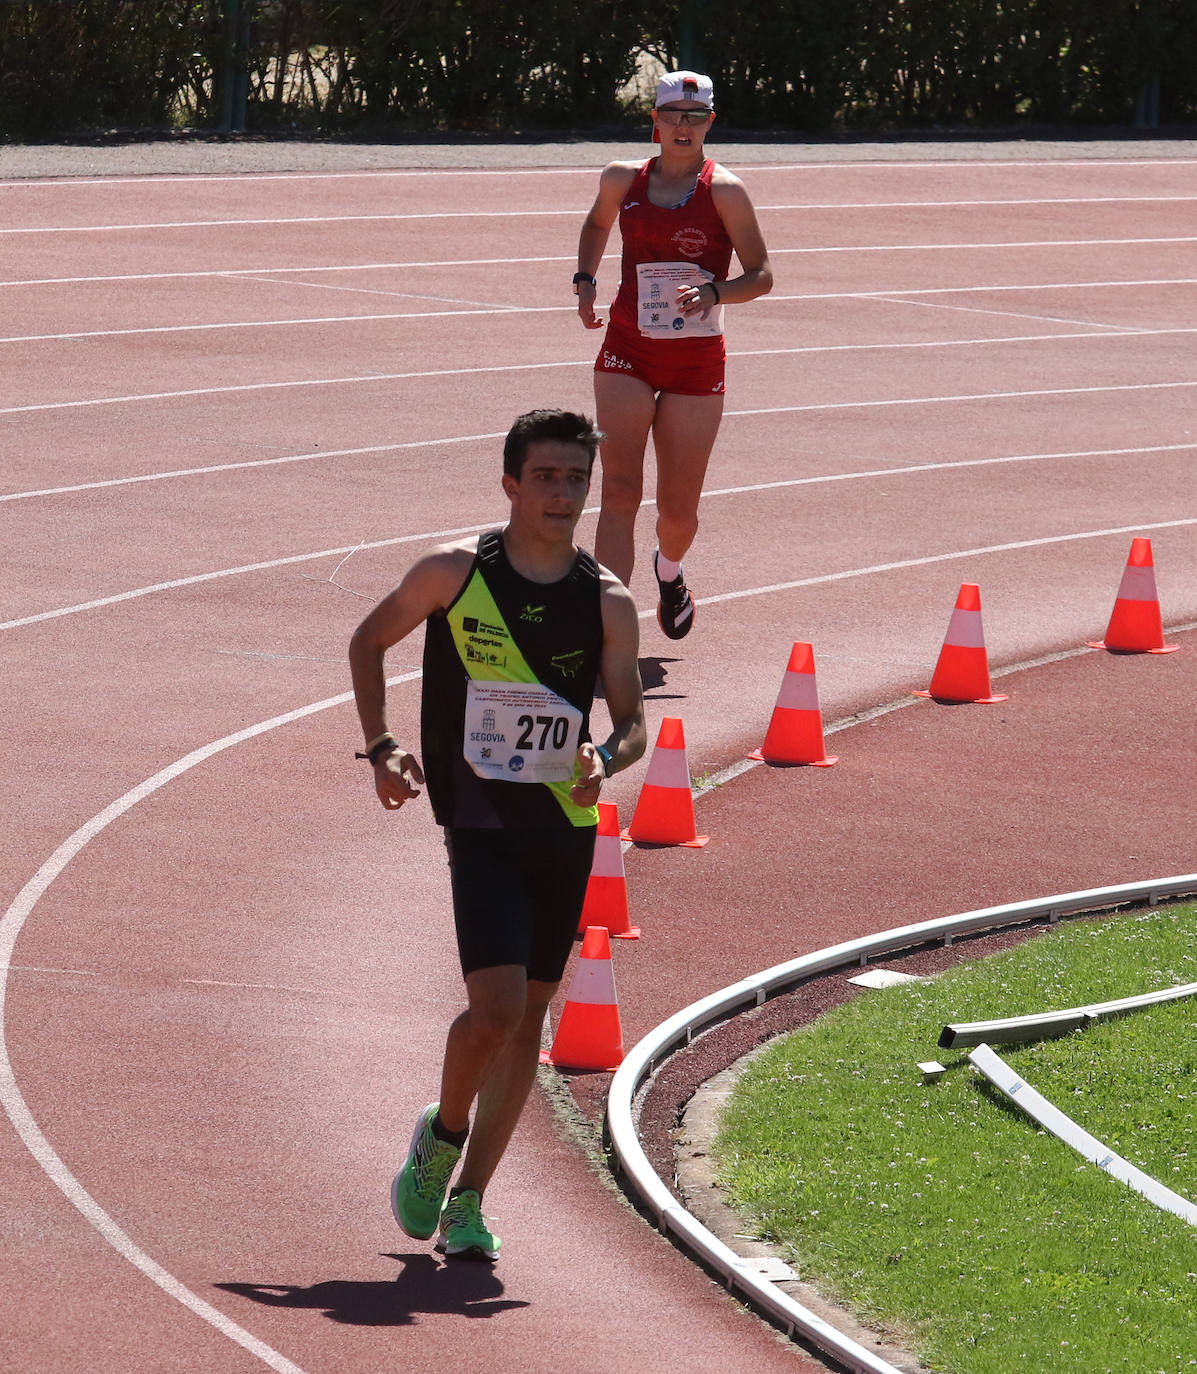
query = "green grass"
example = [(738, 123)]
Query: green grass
[(946, 1218)]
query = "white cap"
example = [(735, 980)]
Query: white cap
[(685, 86)]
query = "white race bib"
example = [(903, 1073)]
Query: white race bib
[(657, 285), (520, 732)]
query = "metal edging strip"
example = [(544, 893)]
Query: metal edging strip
[(680, 1028), (1040, 1109)]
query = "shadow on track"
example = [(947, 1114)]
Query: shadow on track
[(423, 1285)]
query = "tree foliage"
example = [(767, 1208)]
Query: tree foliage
[(503, 65)]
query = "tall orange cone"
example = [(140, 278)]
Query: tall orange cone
[(1135, 626), (795, 733), (665, 810), (962, 673), (589, 1035), (606, 901)]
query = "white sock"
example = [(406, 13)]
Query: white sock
[(667, 569)]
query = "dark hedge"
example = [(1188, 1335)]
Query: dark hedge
[(71, 66)]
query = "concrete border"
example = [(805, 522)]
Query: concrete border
[(742, 1273)]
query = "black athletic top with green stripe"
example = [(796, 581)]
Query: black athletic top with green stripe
[(503, 629)]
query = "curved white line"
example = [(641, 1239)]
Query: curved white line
[(470, 438), (463, 530), (933, 558), (11, 924), (578, 212), (254, 463), (1091, 331), (995, 245), (380, 173), (588, 362)]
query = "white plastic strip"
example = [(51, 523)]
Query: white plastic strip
[(1052, 1119), (1013, 1030), (680, 1028)]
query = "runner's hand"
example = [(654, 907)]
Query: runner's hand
[(586, 295), (690, 301), (589, 768), (391, 778)]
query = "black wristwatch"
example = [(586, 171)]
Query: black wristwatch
[(584, 276)]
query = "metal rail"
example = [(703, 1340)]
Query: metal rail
[(1062, 1126), (680, 1029), (1015, 1030)]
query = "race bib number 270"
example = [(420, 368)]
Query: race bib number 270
[(520, 732)]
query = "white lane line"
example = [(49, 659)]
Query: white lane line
[(430, 535), (266, 566), (283, 386), (250, 463), (1089, 325), (381, 173), (1094, 328), (578, 212), (971, 396), (172, 473), (254, 272), (824, 578), (376, 377)]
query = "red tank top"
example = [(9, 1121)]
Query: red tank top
[(692, 233)]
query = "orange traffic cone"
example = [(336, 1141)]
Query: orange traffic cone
[(665, 810), (795, 733), (589, 1034), (606, 901), (962, 673), (1135, 626)]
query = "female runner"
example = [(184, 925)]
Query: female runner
[(661, 366)]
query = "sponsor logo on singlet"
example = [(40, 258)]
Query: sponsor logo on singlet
[(533, 614), (690, 242), (568, 665)]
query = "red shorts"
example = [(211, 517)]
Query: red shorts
[(687, 367)]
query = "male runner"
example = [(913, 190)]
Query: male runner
[(520, 624)]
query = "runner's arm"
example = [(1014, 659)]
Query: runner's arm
[(428, 586), (739, 219), (620, 670), (596, 229)]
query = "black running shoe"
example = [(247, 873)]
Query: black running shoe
[(675, 610)]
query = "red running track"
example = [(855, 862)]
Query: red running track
[(233, 410)]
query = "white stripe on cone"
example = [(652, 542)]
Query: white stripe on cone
[(965, 630)]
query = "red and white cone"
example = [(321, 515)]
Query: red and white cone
[(589, 1035), (665, 810), (606, 901), (962, 673), (795, 733), (1135, 624)]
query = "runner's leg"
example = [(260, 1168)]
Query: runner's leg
[(498, 1001), (505, 1090), (684, 433), (624, 409)]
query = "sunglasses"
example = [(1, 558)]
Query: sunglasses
[(668, 116)]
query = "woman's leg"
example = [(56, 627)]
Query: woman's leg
[(684, 433), (624, 410)]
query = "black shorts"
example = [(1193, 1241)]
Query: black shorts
[(518, 895)]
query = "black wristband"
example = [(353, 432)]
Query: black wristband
[(715, 289), (384, 746), (584, 276)]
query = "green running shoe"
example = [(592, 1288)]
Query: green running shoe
[(463, 1232), (418, 1192)]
